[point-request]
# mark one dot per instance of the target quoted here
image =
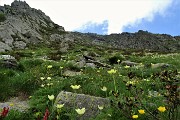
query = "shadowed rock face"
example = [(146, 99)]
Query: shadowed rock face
[(26, 26), (142, 40)]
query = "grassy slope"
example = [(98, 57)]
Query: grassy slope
[(132, 96)]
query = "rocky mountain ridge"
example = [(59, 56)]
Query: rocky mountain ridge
[(22, 26)]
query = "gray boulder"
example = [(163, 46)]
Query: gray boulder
[(81, 63), (7, 57), (16, 104), (19, 44), (4, 47), (8, 61), (159, 65), (69, 73), (129, 63), (91, 65), (90, 103)]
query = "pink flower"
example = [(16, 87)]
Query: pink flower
[(46, 115), (5, 112)]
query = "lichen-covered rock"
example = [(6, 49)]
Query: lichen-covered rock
[(90, 103)]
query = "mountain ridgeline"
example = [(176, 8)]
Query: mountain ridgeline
[(22, 27)]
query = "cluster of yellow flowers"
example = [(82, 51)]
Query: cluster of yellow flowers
[(141, 111)]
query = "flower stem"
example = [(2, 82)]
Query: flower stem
[(114, 84)]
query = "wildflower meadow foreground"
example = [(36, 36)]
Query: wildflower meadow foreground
[(136, 85)]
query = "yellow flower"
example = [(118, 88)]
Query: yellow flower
[(80, 111), (30, 97), (51, 97), (112, 71), (100, 107), (126, 66), (104, 88), (42, 78), (11, 104), (109, 115), (141, 111), (59, 106), (75, 86), (61, 67), (57, 117), (161, 109), (48, 78), (135, 116), (49, 66), (130, 83)]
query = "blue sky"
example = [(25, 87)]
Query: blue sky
[(168, 23), (112, 16)]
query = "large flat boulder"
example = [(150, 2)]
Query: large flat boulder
[(90, 103)]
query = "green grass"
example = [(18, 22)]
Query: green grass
[(129, 89)]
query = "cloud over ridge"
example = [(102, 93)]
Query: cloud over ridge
[(75, 14)]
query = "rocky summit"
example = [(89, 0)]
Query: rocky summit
[(22, 26)]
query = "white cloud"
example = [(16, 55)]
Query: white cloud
[(73, 14)]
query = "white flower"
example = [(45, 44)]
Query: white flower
[(75, 86), (51, 97), (59, 106), (80, 111), (42, 78), (100, 107), (126, 66), (104, 88), (49, 66)]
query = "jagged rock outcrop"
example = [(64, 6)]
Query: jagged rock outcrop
[(24, 25)]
